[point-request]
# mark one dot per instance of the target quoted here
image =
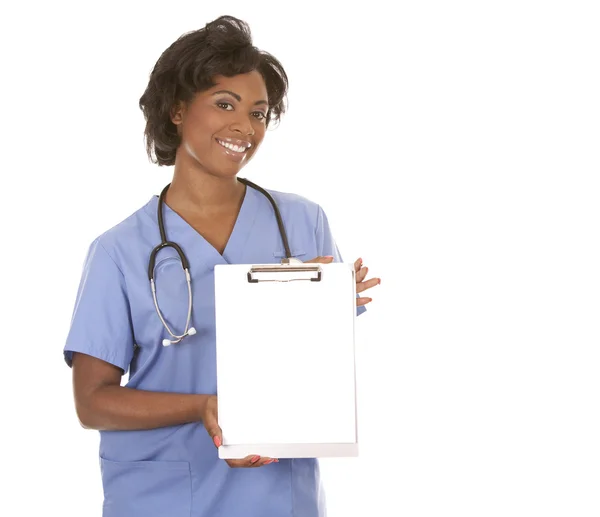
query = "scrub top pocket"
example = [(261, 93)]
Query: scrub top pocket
[(146, 488)]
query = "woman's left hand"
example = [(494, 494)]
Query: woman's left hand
[(361, 284), (360, 272)]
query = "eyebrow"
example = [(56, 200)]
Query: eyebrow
[(239, 99)]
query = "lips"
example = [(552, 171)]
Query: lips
[(234, 150), (237, 146)]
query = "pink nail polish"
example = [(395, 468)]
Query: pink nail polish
[(254, 459), (217, 441)]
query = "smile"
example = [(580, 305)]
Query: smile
[(237, 146)]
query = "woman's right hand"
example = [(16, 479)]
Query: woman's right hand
[(210, 419)]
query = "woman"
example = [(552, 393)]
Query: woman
[(209, 100)]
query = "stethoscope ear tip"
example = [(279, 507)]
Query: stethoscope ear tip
[(166, 342), (191, 331)]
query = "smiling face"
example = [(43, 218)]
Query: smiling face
[(223, 127)]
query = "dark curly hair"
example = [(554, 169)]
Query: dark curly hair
[(223, 47)]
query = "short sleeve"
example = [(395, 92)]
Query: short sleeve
[(101, 321), (326, 245)]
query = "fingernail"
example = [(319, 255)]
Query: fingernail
[(378, 283), (217, 441), (254, 459)]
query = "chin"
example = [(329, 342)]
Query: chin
[(226, 172), (227, 168)]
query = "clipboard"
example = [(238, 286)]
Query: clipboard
[(286, 380)]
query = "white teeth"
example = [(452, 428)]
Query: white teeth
[(236, 148)]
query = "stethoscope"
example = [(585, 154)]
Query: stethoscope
[(190, 331)]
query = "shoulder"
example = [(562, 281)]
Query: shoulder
[(296, 206), (126, 233)]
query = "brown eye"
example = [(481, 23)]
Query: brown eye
[(225, 105)]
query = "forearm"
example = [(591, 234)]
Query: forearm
[(117, 408)]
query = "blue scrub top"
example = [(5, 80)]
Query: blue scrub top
[(175, 471)]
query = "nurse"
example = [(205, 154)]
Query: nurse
[(207, 105)]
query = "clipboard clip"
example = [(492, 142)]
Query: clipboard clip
[(281, 272)]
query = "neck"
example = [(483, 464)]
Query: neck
[(198, 192)]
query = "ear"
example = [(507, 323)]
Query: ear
[(177, 113)]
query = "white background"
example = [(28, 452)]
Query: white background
[(453, 145)]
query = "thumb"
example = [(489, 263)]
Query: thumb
[(216, 434), (212, 427), (320, 260)]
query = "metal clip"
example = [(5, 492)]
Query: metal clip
[(282, 271)]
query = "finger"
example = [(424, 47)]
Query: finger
[(248, 461), (266, 461), (358, 262), (259, 461), (218, 438), (320, 260), (363, 301), (211, 422), (252, 461), (361, 274), (363, 286), (214, 431)]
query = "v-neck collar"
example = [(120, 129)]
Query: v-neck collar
[(241, 230), (180, 231)]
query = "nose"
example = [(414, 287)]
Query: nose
[(243, 125)]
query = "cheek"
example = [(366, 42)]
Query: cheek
[(259, 135), (197, 137), (201, 126)]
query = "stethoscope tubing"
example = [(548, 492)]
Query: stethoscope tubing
[(188, 331)]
